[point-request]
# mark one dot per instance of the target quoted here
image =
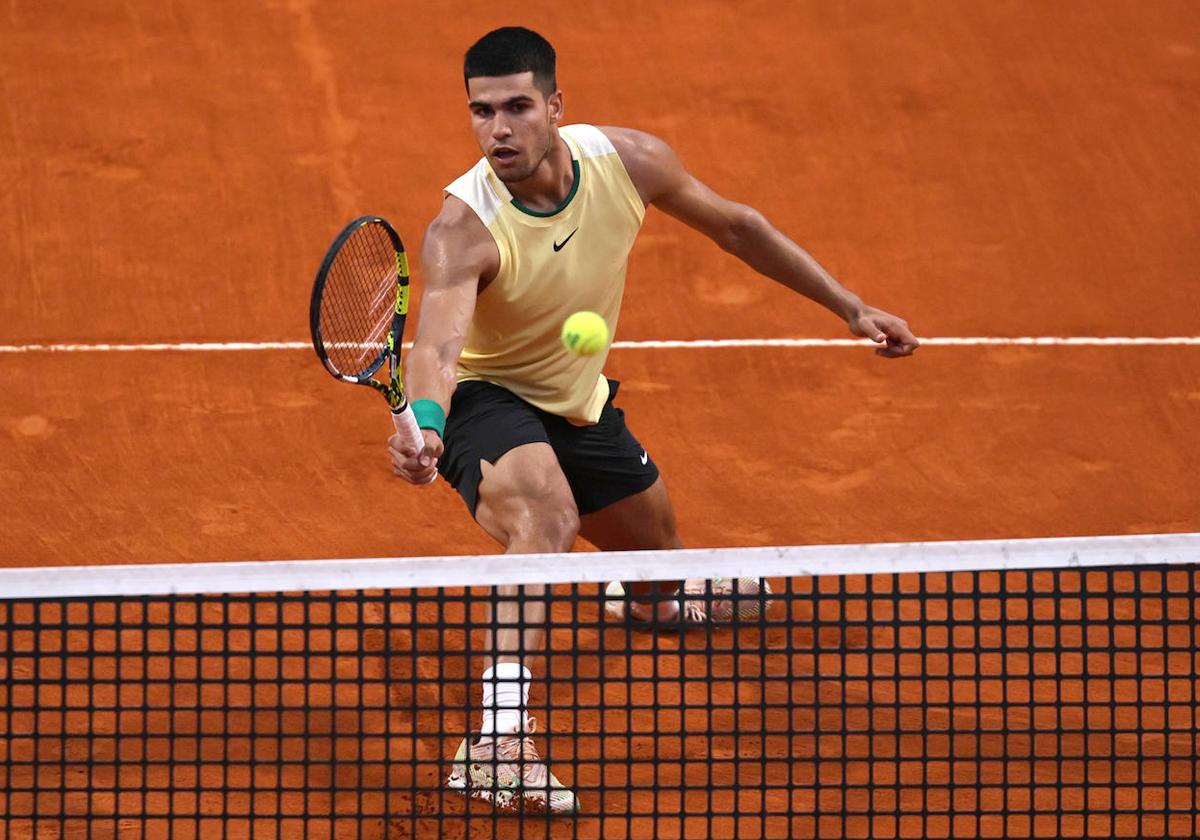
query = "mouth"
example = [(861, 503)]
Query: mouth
[(504, 154)]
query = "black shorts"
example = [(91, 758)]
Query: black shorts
[(603, 462)]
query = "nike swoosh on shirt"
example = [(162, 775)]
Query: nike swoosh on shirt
[(643, 457), (558, 246)]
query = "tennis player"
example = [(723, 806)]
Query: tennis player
[(526, 432)]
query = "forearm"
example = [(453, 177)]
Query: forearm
[(430, 373), (754, 241), (431, 367)]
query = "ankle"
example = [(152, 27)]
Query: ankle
[(505, 696), (665, 610)]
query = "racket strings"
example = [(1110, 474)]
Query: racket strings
[(359, 300)]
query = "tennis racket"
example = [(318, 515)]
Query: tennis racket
[(359, 305)]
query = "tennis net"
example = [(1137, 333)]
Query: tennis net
[(1030, 688)]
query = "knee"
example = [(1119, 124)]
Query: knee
[(531, 522), (551, 524), (526, 503)]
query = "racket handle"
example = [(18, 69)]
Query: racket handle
[(406, 426)]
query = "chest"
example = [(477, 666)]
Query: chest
[(570, 261)]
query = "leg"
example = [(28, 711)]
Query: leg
[(497, 457), (621, 496), (642, 521), (526, 506), (645, 520)]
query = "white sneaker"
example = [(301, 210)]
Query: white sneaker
[(507, 771)]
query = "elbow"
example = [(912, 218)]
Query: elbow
[(443, 360), (434, 363), (743, 226)]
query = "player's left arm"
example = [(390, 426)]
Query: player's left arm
[(662, 180)]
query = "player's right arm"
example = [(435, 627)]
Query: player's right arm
[(458, 258)]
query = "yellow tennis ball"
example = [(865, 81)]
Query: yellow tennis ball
[(585, 333)]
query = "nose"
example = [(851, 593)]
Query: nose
[(500, 128)]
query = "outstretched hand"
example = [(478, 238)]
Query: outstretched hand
[(886, 329)]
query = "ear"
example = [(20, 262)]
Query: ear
[(554, 106)]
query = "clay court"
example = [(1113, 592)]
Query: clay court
[(172, 172)]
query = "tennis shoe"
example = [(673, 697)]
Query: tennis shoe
[(714, 601), (507, 771)]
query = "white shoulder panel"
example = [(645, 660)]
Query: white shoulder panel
[(474, 187), (591, 140)]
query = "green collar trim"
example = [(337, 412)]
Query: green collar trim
[(565, 201)]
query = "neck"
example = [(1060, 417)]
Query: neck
[(551, 182)]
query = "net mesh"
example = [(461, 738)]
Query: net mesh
[(1048, 702)]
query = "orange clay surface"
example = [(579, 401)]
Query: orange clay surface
[(172, 171)]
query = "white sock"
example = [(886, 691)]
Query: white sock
[(505, 695)]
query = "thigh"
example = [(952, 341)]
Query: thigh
[(485, 422), (642, 521), (525, 503), (603, 463)]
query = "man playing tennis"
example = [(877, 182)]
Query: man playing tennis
[(526, 432)]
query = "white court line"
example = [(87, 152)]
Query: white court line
[(694, 344)]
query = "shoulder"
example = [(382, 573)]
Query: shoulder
[(651, 163), (630, 140), (456, 219), (457, 239)]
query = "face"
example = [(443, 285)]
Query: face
[(513, 122)]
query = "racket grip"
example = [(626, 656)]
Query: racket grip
[(406, 426)]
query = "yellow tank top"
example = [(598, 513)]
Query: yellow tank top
[(551, 265)]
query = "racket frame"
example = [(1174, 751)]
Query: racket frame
[(402, 414)]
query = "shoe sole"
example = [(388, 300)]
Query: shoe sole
[(512, 799)]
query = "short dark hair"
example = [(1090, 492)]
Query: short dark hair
[(509, 50)]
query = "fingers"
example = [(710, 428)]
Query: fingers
[(400, 452), (398, 444), (419, 476), (433, 448), (897, 348), (890, 331), (894, 351), (866, 327), (413, 466), (900, 341), (415, 473)]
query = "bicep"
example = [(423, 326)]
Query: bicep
[(700, 207), (454, 260), (664, 182)]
